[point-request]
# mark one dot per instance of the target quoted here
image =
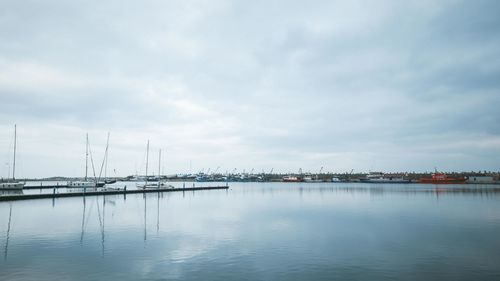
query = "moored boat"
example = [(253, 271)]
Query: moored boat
[(86, 183), (151, 185), (12, 184), (378, 177), (292, 179), (74, 184), (109, 181), (442, 178), (154, 184)]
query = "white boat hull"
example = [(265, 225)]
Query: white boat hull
[(385, 180), (151, 185), (11, 186), (73, 184)]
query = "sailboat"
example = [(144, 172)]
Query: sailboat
[(12, 184), (158, 183), (85, 183)]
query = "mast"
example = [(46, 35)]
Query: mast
[(87, 156), (147, 161), (14, 163), (106, 158), (159, 167), (106, 166)]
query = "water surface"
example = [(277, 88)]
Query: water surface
[(258, 231)]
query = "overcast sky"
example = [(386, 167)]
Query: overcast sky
[(363, 85)]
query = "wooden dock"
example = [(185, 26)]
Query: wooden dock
[(15, 197), (49, 186)]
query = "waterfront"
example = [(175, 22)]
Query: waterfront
[(257, 231)]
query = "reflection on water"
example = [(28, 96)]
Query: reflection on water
[(8, 233), (11, 192), (308, 187), (258, 231), (101, 202)]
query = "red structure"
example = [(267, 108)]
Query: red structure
[(441, 178)]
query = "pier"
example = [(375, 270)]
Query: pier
[(16, 197), (48, 186)]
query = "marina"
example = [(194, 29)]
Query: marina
[(250, 140), (370, 178)]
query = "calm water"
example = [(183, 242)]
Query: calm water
[(257, 231)]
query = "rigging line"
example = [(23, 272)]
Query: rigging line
[(9, 161), (7, 152), (8, 155), (92, 162), (105, 158)]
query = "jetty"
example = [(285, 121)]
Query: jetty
[(117, 191), (46, 186)]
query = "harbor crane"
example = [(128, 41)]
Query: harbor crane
[(320, 170)]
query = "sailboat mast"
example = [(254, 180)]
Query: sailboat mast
[(14, 162), (106, 166), (106, 157), (159, 167), (87, 156), (147, 160), (159, 163)]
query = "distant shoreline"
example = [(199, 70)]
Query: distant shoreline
[(275, 177)]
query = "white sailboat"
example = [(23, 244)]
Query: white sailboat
[(12, 184), (153, 184), (85, 183), (159, 183)]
